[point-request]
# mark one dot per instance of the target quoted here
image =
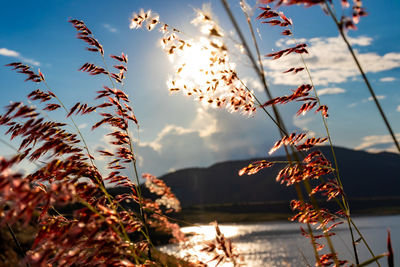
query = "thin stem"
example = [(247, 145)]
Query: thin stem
[(337, 176), (253, 36), (353, 241), (99, 181), (261, 75), (20, 250), (137, 184), (259, 71), (304, 258), (141, 202), (326, 234), (124, 234), (310, 230), (75, 125), (263, 108), (350, 48), (282, 131), (339, 25), (365, 241)]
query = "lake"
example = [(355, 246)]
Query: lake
[(281, 244)]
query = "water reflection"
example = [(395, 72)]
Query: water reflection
[(207, 232), (274, 244), (263, 244)]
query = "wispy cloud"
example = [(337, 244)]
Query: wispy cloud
[(387, 79), (253, 84), (213, 135), (352, 105), (379, 97), (202, 126), (175, 147), (11, 53), (329, 61), (331, 91), (110, 28), (30, 61), (378, 143), (365, 100), (398, 108), (82, 126)]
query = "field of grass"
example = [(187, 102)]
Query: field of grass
[(62, 212)]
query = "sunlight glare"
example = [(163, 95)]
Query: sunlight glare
[(207, 232), (204, 70), (195, 63)]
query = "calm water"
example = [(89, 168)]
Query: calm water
[(281, 244)]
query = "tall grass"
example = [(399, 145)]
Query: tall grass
[(103, 231), (302, 166)]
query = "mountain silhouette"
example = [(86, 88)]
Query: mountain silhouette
[(364, 175)]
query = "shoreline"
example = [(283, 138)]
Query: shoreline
[(206, 216)]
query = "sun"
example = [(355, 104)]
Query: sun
[(204, 71), (195, 62)]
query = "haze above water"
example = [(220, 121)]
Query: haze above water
[(274, 244)]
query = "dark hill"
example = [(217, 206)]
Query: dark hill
[(364, 175)]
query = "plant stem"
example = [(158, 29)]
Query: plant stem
[(339, 25), (122, 235), (137, 185), (20, 250), (259, 71), (282, 130), (337, 176), (365, 241)]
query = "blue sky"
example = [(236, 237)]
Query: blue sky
[(177, 132)]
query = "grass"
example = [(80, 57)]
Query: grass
[(104, 231)]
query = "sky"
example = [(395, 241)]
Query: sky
[(175, 130)]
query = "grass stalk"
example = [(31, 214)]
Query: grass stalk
[(341, 30), (337, 176), (123, 234), (17, 243), (136, 184), (101, 183), (282, 128)]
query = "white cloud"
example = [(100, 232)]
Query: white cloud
[(30, 61), (204, 123), (387, 79), (253, 84), (331, 91), (212, 136), (82, 126), (379, 97), (378, 143), (398, 108), (361, 40), (329, 61), (304, 123), (167, 130), (110, 28), (203, 126), (352, 105), (174, 148), (281, 43), (11, 53)]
